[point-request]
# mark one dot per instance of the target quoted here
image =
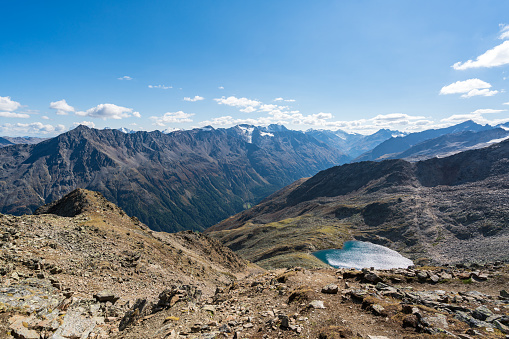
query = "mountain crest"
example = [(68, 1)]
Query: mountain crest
[(78, 202)]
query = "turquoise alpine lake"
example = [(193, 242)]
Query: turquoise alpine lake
[(360, 254)]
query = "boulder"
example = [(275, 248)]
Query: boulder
[(330, 289), (105, 296)]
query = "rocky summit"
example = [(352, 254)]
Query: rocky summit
[(89, 254)]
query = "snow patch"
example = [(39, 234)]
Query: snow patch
[(498, 140), (265, 134), (248, 132)]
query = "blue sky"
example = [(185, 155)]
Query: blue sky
[(352, 65)]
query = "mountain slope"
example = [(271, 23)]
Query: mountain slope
[(353, 144), (183, 180), (447, 210), (22, 140), (4, 142), (400, 144), (449, 144)]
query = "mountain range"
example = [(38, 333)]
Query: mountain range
[(181, 180), (353, 144), (193, 179), (392, 148)]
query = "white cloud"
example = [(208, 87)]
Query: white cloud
[(504, 32), (31, 128), (237, 102), (6, 104), (196, 98), (286, 100), (269, 108), (505, 103), (248, 109), (488, 111), (479, 92), (125, 77), (85, 123), (137, 114), (14, 115), (395, 118), (464, 86), (62, 107), (477, 116), (45, 117), (172, 117), (497, 56), (108, 111), (221, 87), (160, 86)]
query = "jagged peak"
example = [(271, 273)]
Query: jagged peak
[(276, 128)]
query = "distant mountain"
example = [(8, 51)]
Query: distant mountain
[(4, 142), (22, 140), (353, 144), (182, 180), (450, 144), (400, 144), (447, 210), (126, 130)]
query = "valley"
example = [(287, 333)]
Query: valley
[(446, 210)]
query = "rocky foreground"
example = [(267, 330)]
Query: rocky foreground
[(84, 269), (312, 303)]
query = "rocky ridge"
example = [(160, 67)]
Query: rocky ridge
[(53, 267)]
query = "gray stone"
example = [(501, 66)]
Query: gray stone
[(106, 295), (504, 329), (225, 329), (330, 289), (463, 316), (372, 277), (20, 331), (75, 325), (316, 304), (377, 309), (437, 321), (434, 278), (482, 313), (422, 276), (445, 276), (478, 323)]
